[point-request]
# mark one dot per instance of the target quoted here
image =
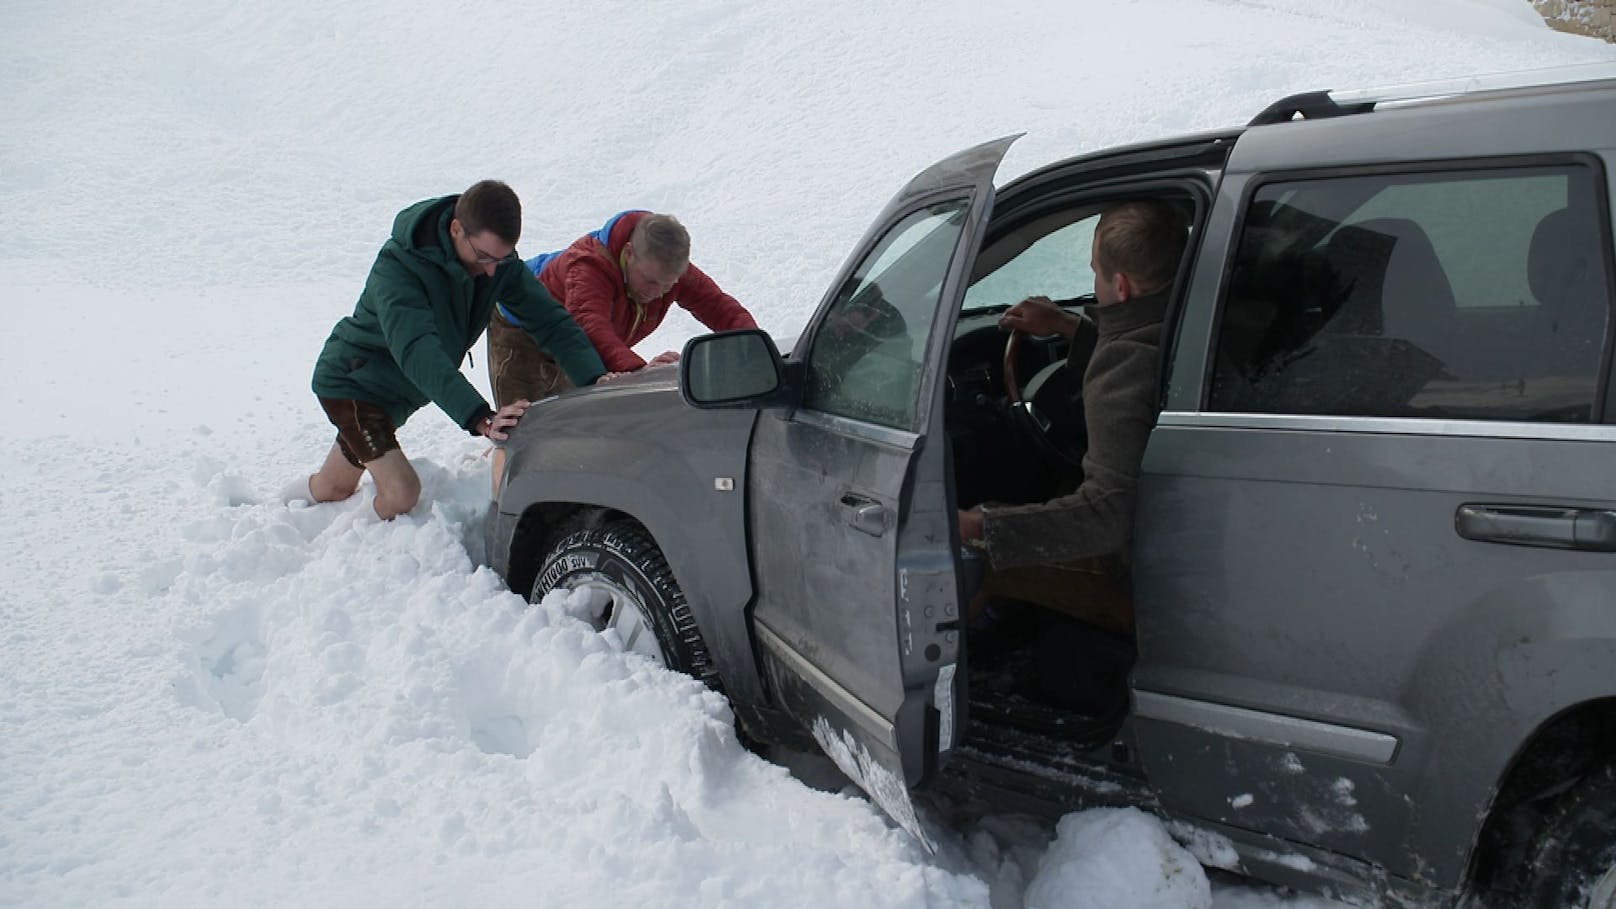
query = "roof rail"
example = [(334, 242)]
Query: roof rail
[(1308, 106), (1487, 82), (1323, 104)]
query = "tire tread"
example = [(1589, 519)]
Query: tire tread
[(635, 546)]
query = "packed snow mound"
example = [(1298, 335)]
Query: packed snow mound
[(1112, 857)]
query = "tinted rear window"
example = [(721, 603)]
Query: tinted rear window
[(1476, 294)]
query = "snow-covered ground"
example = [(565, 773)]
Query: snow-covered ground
[(208, 698)]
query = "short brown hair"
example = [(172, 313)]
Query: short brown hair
[(1144, 239), (490, 205), (662, 239)]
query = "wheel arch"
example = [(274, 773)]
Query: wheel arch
[(1576, 741), (705, 547), (538, 527), (1512, 671)]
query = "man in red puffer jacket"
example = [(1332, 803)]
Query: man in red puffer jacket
[(618, 283)]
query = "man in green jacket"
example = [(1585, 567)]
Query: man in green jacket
[(427, 300)]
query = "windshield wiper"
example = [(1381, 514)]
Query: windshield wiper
[(1070, 303)]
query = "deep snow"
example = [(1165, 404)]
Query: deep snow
[(210, 698)]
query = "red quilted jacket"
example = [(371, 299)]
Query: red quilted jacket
[(587, 279)]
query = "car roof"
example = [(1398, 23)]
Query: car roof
[(1494, 122), (1183, 146), (1492, 98)]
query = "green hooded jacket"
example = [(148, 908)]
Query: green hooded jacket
[(421, 311)]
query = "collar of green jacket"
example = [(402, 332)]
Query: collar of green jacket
[(423, 230)]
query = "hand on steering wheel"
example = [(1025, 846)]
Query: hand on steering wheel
[(1024, 411), (1039, 316)]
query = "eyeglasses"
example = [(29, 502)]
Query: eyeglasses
[(482, 258)]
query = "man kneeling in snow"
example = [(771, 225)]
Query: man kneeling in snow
[(427, 300)]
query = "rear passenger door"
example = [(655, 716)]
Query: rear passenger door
[(1372, 521)]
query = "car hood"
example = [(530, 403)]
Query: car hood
[(629, 404)]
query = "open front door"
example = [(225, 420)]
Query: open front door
[(858, 613)]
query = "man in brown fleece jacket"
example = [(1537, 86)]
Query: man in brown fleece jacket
[(1070, 553)]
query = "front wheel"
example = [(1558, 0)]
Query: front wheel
[(631, 595)]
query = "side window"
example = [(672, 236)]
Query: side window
[(1055, 265), (1478, 294), (869, 349)]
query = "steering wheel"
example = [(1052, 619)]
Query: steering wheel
[(1048, 408)]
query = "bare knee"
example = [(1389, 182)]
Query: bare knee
[(390, 503), (398, 487), (336, 479)]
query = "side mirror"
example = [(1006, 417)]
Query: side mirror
[(731, 369)]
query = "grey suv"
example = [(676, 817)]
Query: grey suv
[(1374, 559)]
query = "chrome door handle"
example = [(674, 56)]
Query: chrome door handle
[(1592, 529), (864, 514)]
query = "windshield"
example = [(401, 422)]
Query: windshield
[(1042, 259)]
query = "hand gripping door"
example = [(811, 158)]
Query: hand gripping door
[(857, 617)]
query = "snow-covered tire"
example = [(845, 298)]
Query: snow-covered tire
[(636, 595), (1572, 861)]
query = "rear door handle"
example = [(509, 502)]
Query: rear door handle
[(864, 514), (1592, 529)]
